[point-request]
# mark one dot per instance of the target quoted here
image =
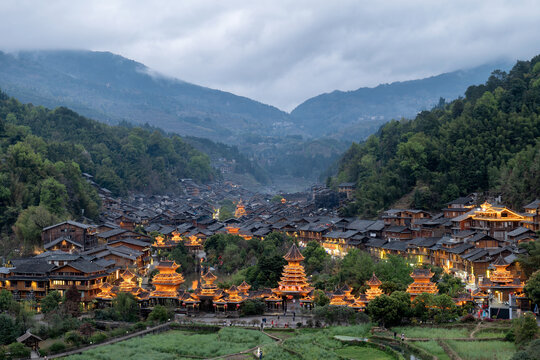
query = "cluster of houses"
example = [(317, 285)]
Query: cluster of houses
[(465, 238)]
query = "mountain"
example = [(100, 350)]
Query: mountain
[(489, 141), (120, 158), (111, 88), (354, 115)]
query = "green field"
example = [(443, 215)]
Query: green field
[(433, 348), (483, 350), (360, 353), (178, 344), (417, 332)]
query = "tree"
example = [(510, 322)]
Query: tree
[(315, 257), (525, 329), (51, 302), (8, 329), (403, 303), (450, 285), (356, 268), (53, 196), (529, 353), (530, 262), (72, 301), (320, 298), (6, 299), (532, 287), (421, 306), (384, 310), (159, 314), (126, 307), (253, 307), (18, 351), (30, 223)]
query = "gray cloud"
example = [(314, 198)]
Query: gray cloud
[(282, 52)]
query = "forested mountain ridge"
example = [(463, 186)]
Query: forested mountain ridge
[(121, 158), (487, 141), (111, 88), (354, 115)]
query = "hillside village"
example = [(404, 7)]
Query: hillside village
[(475, 241)]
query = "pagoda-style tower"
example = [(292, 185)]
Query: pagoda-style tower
[(167, 281), (161, 243), (359, 303), (244, 287), (501, 282), (422, 283), (106, 292), (176, 238), (337, 298), (193, 243), (347, 291), (129, 285), (501, 275), (373, 290), (293, 280), (240, 210), (208, 289)]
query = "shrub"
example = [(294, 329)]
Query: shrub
[(98, 337), (159, 314), (525, 329), (253, 307), (469, 318), (57, 347), (73, 337), (18, 351)]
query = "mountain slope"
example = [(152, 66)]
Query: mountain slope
[(120, 158), (356, 114), (111, 88), (488, 141)]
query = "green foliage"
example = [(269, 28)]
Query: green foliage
[(18, 351), (184, 258), (530, 261), (125, 305), (74, 338), (341, 315), (383, 309), (532, 287), (253, 307), (51, 302), (159, 314), (320, 298), (57, 347), (8, 329), (30, 222), (487, 141), (6, 300), (529, 353), (315, 257), (356, 268), (180, 344), (525, 329), (450, 285)]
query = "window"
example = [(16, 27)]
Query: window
[(27, 284)]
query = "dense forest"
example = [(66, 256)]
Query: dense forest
[(487, 141), (44, 153), (121, 158)]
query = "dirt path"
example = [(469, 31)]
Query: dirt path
[(475, 330)]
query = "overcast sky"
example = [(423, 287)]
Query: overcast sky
[(282, 52)]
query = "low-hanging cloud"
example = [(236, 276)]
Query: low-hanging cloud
[(282, 52)]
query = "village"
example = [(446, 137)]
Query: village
[(475, 242)]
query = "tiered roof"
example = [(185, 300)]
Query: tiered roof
[(337, 298), (293, 280), (373, 290), (167, 280), (422, 283)]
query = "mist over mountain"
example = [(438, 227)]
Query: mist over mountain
[(111, 88), (354, 115)]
